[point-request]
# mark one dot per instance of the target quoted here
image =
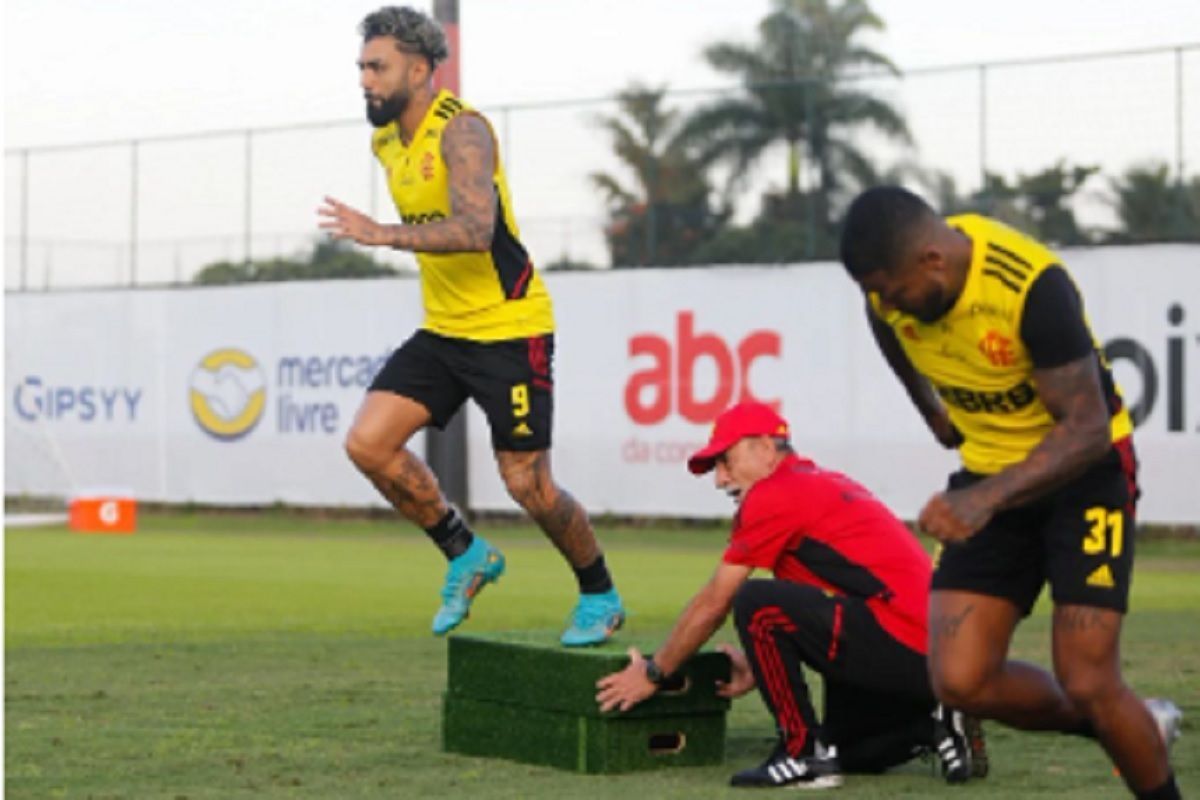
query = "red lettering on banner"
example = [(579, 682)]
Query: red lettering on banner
[(657, 379), (675, 389), (753, 347), (691, 349)]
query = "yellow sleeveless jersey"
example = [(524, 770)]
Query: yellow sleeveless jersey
[(975, 357), (484, 296)]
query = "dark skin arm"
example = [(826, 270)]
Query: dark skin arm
[(1080, 437), (470, 155), (919, 389), (695, 626)]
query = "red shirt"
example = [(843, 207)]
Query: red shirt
[(819, 528)]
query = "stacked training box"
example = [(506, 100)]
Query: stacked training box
[(524, 697)]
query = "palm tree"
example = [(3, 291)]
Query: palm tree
[(1039, 203), (666, 213), (799, 92)]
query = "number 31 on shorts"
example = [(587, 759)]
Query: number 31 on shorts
[(1106, 531)]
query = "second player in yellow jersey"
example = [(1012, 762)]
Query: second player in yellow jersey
[(975, 356), (988, 335)]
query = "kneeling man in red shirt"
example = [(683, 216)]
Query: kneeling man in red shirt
[(848, 599)]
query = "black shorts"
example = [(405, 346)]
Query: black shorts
[(511, 381), (1080, 538)]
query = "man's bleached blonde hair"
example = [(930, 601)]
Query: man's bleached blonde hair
[(413, 32)]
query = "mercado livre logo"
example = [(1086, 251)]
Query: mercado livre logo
[(227, 392)]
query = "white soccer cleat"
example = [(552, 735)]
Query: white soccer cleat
[(1168, 717)]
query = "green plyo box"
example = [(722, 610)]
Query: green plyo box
[(533, 670), (592, 744), (524, 697)]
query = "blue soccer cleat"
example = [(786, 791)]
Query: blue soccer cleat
[(595, 619), (467, 574)]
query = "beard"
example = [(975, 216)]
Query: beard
[(388, 110), (933, 307)]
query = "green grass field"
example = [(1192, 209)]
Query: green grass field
[(248, 656)]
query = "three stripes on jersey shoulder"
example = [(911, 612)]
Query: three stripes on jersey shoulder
[(1007, 267), (448, 107)]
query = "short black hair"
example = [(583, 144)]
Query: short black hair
[(878, 227)]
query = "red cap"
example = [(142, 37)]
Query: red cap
[(736, 423)]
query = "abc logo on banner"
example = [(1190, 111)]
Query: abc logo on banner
[(227, 393), (667, 384)]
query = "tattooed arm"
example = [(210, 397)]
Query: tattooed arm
[(469, 151), (1080, 436)]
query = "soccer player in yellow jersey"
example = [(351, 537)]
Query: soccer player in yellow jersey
[(987, 333), (488, 333)]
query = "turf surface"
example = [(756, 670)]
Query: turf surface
[(272, 655)]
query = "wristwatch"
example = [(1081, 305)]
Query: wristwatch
[(654, 673)]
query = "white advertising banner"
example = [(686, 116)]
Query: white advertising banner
[(235, 396), (647, 358), (243, 395)]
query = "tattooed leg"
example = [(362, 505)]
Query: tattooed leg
[(529, 482), (1086, 660), (969, 636), (411, 487), (376, 445)]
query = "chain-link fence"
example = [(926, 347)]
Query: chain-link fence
[(155, 211)]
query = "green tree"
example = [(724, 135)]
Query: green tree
[(800, 92), (1154, 208), (329, 259), (665, 214), (566, 263), (1038, 204)]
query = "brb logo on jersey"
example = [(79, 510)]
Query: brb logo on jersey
[(228, 393)]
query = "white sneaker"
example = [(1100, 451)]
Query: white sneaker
[(1168, 716)]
